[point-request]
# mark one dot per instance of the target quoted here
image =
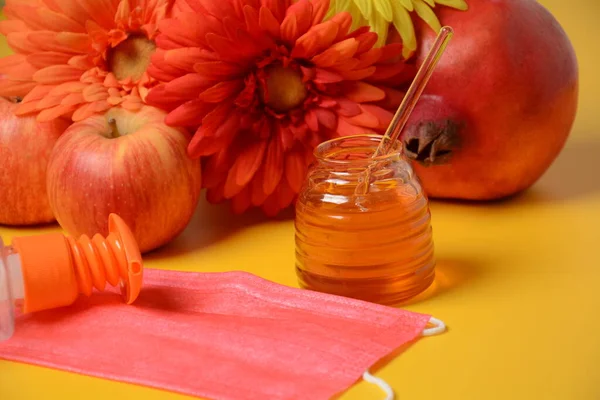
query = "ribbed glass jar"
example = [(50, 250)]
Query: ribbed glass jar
[(374, 244)]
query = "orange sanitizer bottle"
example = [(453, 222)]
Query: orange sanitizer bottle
[(374, 244)]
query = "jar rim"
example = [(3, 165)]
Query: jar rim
[(321, 152)]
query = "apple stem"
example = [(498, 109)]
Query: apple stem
[(114, 128)]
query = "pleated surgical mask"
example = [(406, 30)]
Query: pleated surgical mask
[(225, 336)]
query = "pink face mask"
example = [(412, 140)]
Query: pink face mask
[(220, 336)]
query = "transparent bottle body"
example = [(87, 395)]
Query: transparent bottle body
[(11, 289)]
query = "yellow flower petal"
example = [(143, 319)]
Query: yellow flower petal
[(341, 5), (358, 19), (408, 4), (384, 8), (380, 26), (458, 4), (365, 7), (331, 12), (379, 14), (404, 26), (427, 15)]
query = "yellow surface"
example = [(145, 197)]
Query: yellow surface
[(517, 283)]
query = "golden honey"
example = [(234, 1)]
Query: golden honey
[(374, 244)]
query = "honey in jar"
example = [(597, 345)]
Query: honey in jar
[(363, 225)]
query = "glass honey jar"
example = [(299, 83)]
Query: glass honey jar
[(363, 224)]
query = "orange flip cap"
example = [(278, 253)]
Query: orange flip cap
[(57, 269)]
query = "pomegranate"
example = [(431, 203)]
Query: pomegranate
[(500, 105)]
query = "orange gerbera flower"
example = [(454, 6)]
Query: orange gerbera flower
[(265, 81), (74, 58)]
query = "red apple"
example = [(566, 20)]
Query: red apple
[(25, 146), (128, 163)]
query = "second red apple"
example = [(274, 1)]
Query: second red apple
[(25, 147), (128, 163)]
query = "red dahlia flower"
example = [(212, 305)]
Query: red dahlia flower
[(263, 82), (74, 58)]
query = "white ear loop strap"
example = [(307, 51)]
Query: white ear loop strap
[(383, 385), (439, 327)]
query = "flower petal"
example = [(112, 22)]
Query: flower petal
[(285, 196), (47, 58), (188, 86), (11, 62), (206, 142), (317, 39), (102, 11), (362, 92), (347, 107), (214, 119), (189, 113), (277, 7), (344, 22), (424, 11), (319, 10), (68, 87), (358, 74), (345, 128), (95, 92), (337, 53), (295, 169), (38, 93), (57, 74), (230, 50), (273, 166), (365, 7), (258, 195), (219, 69), (221, 91), (15, 88), (215, 172), (51, 20), (68, 42), (242, 201), (246, 164), (327, 76), (183, 58), (49, 102), (55, 112), (310, 117), (404, 25), (369, 58), (301, 13), (289, 28), (73, 99), (364, 119), (202, 146), (326, 117), (27, 108), (383, 116), (268, 22), (384, 8), (10, 26)]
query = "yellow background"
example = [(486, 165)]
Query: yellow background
[(518, 282)]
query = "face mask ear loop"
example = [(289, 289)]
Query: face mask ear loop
[(383, 385), (439, 327)]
